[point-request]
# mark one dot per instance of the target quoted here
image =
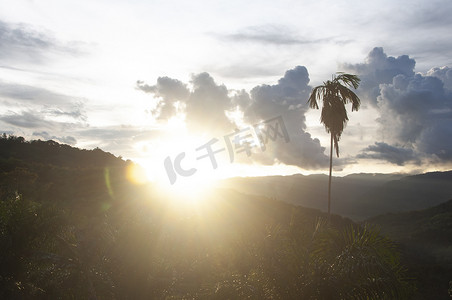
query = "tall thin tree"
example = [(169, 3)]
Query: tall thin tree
[(335, 94)]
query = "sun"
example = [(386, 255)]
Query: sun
[(188, 191), (168, 174)]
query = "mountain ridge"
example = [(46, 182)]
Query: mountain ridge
[(358, 196)]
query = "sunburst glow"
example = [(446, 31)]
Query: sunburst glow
[(192, 191), (183, 188)]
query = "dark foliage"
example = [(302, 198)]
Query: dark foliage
[(425, 240), (73, 227)]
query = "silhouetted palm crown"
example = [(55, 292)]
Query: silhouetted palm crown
[(335, 94)]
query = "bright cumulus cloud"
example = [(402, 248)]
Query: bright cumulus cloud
[(149, 80)]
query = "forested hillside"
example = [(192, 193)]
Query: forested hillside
[(16, 150), (425, 238), (73, 226)]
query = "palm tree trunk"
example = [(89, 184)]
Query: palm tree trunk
[(329, 180)]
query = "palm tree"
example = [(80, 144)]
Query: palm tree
[(335, 93)]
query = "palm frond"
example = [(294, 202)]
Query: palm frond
[(348, 79), (316, 93), (348, 96)]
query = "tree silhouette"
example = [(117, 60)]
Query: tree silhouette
[(335, 94)]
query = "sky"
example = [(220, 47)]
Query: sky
[(211, 89)]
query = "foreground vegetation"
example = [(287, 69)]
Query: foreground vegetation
[(424, 238), (73, 227)]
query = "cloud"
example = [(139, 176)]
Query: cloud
[(26, 119), (272, 34), (42, 100), (432, 17), (443, 73), (414, 110), (415, 113), (288, 99), (410, 105), (64, 139), (121, 140), (34, 120), (435, 140), (22, 37), (75, 113), (379, 68), (119, 134), (392, 154), (246, 69), (27, 93), (269, 34), (291, 93), (38, 110), (170, 91), (207, 105), (19, 42)]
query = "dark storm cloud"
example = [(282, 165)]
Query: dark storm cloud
[(379, 68), (392, 154), (411, 105), (435, 140), (289, 94), (288, 99), (443, 73), (415, 115), (207, 105)]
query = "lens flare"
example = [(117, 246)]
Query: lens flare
[(136, 174)]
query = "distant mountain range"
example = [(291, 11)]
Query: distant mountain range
[(357, 196)]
